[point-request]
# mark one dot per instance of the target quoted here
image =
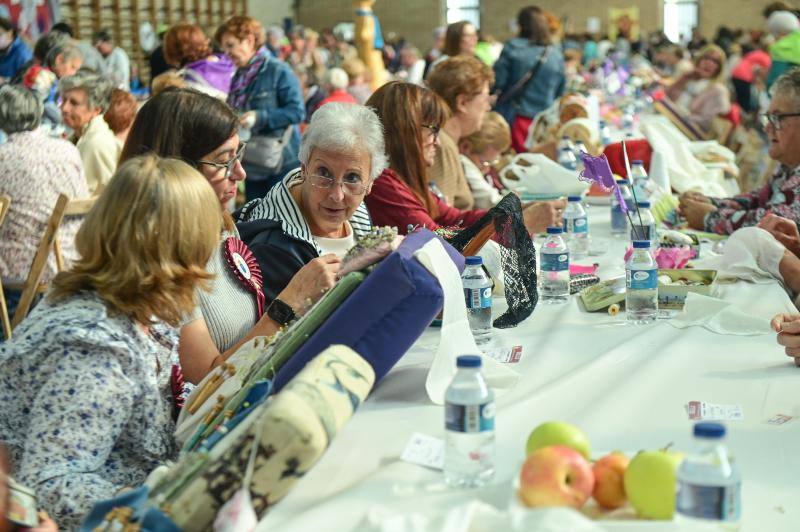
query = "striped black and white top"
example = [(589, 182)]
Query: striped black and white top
[(279, 205)]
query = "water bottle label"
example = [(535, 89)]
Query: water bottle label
[(722, 503), (555, 262), (469, 418), (478, 297), (642, 279), (642, 232), (576, 225)]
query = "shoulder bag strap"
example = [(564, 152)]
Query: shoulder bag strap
[(522, 82)]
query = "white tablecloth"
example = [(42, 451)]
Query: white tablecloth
[(625, 386)]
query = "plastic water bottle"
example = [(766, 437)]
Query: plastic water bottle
[(478, 295), (641, 285), (567, 159), (554, 261), (644, 225), (709, 484), (576, 227), (605, 132), (580, 147), (566, 142), (641, 182), (469, 426), (627, 119), (619, 220)]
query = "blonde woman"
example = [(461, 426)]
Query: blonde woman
[(479, 152), (86, 403), (702, 91)]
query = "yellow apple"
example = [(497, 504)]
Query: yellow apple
[(609, 488), (558, 433), (555, 476), (650, 483)]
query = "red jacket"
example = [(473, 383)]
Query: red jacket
[(392, 203), (340, 96)]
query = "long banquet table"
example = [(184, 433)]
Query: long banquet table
[(625, 386)]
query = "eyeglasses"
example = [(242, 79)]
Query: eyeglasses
[(493, 162), (352, 187), (433, 129), (775, 119), (229, 165)]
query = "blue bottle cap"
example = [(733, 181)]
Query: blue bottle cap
[(623, 182), (468, 361), (637, 161), (555, 230), (709, 430), (643, 204), (573, 198), (641, 244), (474, 261)]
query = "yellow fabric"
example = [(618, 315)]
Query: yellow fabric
[(100, 151), (448, 174)]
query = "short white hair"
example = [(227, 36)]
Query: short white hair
[(346, 127), (337, 78), (782, 23)]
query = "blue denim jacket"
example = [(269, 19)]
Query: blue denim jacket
[(276, 97), (518, 58)]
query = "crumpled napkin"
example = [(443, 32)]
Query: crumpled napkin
[(718, 316), (750, 254), (456, 337)]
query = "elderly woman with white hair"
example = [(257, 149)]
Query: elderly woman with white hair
[(784, 26), (317, 210), (781, 194), (36, 169), (85, 97)]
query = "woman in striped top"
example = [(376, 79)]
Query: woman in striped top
[(315, 213)]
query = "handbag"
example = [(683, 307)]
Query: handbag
[(266, 151)]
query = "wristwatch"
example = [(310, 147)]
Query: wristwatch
[(280, 312)]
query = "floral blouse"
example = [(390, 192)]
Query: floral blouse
[(85, 403), (780, 195)]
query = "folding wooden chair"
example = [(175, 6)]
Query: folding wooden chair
[(5, 203), (33, 283), (76, 207)]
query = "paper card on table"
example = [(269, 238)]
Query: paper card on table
[(779, 419), (508, 355), (424, 450), (700, 410)]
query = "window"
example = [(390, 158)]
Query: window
[(464, 10), (680, 17)]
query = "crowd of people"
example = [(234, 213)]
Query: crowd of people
[(277, 142)]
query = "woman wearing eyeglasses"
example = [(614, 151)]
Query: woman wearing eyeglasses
[(402, 196), (702, 91), (202, 130), (315, 213), (779, 196)]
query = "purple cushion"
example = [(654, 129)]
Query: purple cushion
[(384, 316)]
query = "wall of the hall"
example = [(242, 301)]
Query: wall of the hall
[(415, 19)]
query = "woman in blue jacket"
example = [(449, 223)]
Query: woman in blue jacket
[(267, 95), (520, 101), (14, 54)]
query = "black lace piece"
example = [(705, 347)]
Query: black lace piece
[(517, 254)]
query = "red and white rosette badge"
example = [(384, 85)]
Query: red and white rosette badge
[(245, 267)]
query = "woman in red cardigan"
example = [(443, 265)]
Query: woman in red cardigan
[(401, 196)]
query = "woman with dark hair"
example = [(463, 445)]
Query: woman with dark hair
[(14, 54), (401, 197), (529, 75), (187, 48), (268, 97), (230, 313), (461, 38)]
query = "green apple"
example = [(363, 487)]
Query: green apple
[(558, 433), (650, 483)]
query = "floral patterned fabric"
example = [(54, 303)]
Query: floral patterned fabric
[(781, 196), (85, 403), (34, 170)]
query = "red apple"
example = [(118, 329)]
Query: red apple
[(609, 486), (555, 476)]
